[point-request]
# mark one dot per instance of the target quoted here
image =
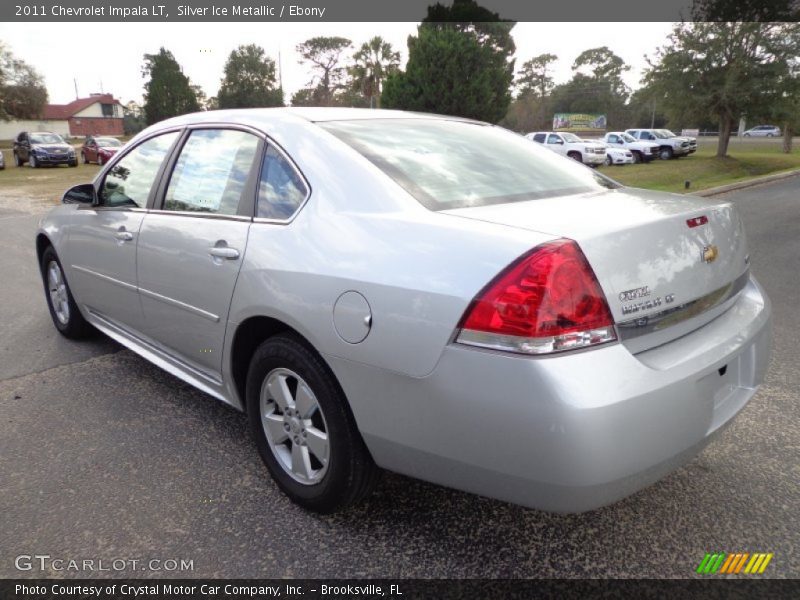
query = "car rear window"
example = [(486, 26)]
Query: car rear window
[(448, 164)]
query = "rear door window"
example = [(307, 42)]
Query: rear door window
[(211, 172)]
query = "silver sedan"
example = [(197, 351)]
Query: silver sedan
[(429, 295)]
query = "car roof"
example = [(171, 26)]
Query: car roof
[(257, 117)]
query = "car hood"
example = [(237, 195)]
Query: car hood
[(51, 147)]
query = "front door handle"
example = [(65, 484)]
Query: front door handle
[(123, 236), (224, 252)]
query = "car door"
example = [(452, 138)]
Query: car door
[(191, 246), (556, 144), (91, 150), (102, 238), (23, 147)]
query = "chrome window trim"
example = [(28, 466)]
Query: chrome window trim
[(200, 214), (646, 324)]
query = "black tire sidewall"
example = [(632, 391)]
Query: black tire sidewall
[(285, 351), (76, 326)]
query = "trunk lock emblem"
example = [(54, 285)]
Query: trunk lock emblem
[(710, 253)]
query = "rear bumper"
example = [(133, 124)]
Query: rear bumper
[(568, 433)]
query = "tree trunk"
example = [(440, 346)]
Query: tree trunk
[(787, 138), (724, 136)]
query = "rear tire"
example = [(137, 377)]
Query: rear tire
[(63, 310), (292, 399)]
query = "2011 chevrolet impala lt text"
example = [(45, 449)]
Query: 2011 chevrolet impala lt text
[(428, 295)]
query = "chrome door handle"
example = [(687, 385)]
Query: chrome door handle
[(224, 252), (124, 236)]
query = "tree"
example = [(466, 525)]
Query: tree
[(534, 78), (250, 80), (605, 68), (324, 54), (596, 87), (373, 63), (23, 94), (168, 92), (132, 118), (460, 63), (723, 71)]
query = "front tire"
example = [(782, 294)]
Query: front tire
[(303, 427), (665, 153), (17, 160), (100, 161), (32, 161), (575, 156), (609, 162), (637, 157), (63, 310)]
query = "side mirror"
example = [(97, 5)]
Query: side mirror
[(80, 194), (560, 142)]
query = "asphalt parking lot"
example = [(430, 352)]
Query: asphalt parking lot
[(103, 456)]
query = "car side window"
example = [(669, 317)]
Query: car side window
[(129, 181), (553, 139), (282, 190), (539, 137), (613, 139), (212, 171)]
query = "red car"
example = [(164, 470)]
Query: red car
[(99, 149)]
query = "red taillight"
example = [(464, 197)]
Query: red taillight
[(547, 301)]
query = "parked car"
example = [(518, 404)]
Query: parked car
[(669, 146), (618, 156), (39, 148), (429, 295), (99, 149), (642, 151), (569, 144), (692, 140), (763, 131)]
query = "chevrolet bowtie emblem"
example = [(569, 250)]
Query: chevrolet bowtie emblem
[(710, 253)]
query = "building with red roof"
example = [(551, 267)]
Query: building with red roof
[(99, 114)]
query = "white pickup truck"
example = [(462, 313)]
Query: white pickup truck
[(642, 151), (670, 145), (569, 144)]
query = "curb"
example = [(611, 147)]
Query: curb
[(740, 185)]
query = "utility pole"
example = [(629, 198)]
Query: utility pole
[(653, 117)]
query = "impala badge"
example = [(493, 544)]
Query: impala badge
[(710, 253)]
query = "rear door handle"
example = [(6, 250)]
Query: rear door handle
[(224, 252)]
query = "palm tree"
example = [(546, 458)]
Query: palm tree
[(373, 62)]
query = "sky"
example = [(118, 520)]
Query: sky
[(109, 57)]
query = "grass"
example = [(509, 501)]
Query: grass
[(45, 184), (747, 158)]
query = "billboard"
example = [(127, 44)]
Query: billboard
[(578, 122)]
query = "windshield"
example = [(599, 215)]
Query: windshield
[(46, 138), (108, 142), (454, 164), (627, 137), (666, 133), (571, 137)]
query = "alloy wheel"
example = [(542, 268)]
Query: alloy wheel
[(294, 426), (57, 287)]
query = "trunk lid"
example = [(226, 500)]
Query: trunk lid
[(661, 276)]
